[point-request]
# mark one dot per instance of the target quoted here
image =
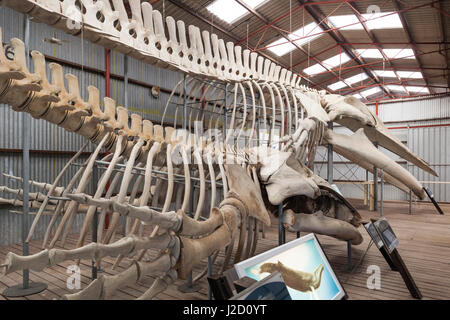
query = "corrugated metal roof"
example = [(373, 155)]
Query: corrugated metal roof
[(424, 25)]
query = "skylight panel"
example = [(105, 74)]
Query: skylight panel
[(281, 49), (306, 33), (309, 30), (357, 96), (396, 88), (385, 73), (383, 20), (346, 22), (399, 53), (418, 89), (336, 60), (314, 69), (231, 11), (338, 85), (390, 53), (329, 64), (370, 92), (370, 53), (410, 74), (358, 78), (380, 20)]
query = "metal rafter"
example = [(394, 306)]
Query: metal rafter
[(229, 34), (283, 34), (410, 37), (397, 82), (283, 16), (326, 26), (395, 43), (374, 63), (444, 41), (373, 38)]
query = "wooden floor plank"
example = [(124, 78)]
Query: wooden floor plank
[(424, 245)]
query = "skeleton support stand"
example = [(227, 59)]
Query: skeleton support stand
[(281, 230), (381, 191), (330, 158), (375, 186), (95, 219), (410, 202), (26, 288), (125, 95)]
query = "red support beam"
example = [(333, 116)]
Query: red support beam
[(108, 73), (281, 33), (314, 56), (107, 94), (287, 14), (439, 8), (371, 19), (335, 29), (398, 82), (395, 43), (444, 39), (322, 20), (229, 34), (402, 98), (373, 38), (408, 32), (422, 126), (352, 68)]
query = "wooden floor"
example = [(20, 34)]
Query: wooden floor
[(424, 245)]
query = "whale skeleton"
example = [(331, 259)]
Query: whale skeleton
[(162, 165)]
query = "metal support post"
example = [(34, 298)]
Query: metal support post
[(209, 274), (95, 219), (26, 288), (125, 81), (410, 202), (125, 104), (281, 231), (330, 158), (225, 116), (381, 192), (375, 189), (258, 136), (375, 186), (367, 190), (184, 104), (297, 206), (349, 255)]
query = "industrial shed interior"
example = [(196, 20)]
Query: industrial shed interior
[(180, 149)]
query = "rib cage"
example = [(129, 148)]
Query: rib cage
[(163, 150)]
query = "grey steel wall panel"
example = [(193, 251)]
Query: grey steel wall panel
[(415, 110), (43, 168)]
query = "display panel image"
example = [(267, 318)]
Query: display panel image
[(270, 288), (303, 266)]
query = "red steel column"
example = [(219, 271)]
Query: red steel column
[(107, 94)]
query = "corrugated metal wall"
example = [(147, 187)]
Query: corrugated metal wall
[(415, 110), (413, 123), (45, 136), (43, 168), (432, 143), (49, 137)]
